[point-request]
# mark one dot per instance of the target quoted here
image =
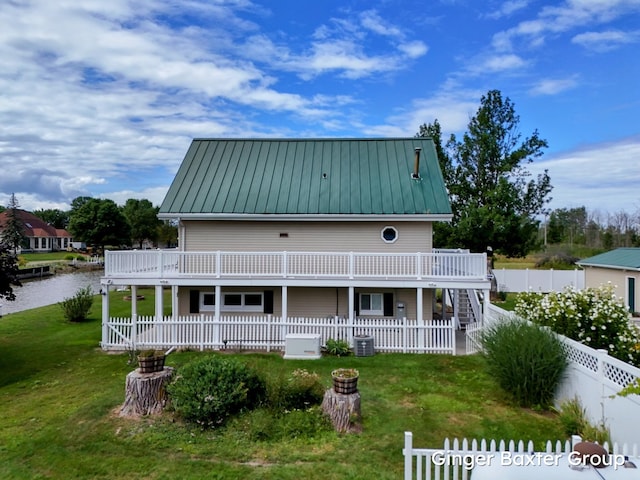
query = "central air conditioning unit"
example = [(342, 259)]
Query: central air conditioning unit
[(302, 346), (363, 345)]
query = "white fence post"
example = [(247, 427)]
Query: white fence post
[(405, 335), (408, 456)]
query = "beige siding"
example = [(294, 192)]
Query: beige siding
[(321, 302), (594, 277), (305, 236)]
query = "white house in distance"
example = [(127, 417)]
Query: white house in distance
[(621, 267), (332, 236)]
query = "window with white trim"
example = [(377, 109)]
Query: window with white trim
[(371, 304), (207, 301), (245, 302)]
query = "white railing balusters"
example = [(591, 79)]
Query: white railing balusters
[(269, 332), (351, 265)]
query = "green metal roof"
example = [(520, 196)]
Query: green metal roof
[(316, 177), (620, 258)]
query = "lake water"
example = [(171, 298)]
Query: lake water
[(50, 290)]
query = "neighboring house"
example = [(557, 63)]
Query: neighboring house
[(39, 236), (621, 267), (310, 228)]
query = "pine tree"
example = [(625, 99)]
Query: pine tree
[(13, 229)]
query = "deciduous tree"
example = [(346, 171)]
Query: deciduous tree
[(99, 222), (493, 197), (53, 216), (143, 220)]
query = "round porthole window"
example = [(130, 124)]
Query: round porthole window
[(389, 234)]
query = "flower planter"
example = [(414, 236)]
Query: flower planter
[(151, 363), (345, 380)]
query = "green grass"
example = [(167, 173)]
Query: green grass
[(60, 395)]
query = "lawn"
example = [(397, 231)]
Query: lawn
[(60, 394)]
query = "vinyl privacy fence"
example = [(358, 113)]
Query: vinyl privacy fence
[(593, 377)]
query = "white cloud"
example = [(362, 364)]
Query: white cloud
[(605, 41), (495, 63), (340, 46), (453, 108), (568, 15), (599, 176), (550, 86), (508, 8)]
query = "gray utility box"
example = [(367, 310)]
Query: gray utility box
[(302, 346), (363, 345)]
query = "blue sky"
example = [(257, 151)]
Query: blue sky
[(103, 98)]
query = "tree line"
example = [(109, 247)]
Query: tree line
[(101, 222), (592, 229)]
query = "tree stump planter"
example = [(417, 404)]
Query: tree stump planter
[(343, 411), (145, 393)]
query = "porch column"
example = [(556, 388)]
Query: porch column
[(105, 315), (285, 302), (420, 319), (455, 305), (444, 303), (419, 305), (159, 303), (218, 303), (174, 302), (352, 307), (134, 301), (485, 306)]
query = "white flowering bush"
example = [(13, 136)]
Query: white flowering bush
[(594, 317)]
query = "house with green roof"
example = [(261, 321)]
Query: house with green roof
[(303, 232), (621, 267)]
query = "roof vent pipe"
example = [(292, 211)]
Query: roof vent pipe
[(416, 165)]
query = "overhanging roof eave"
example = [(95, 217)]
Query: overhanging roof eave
[(422, 217)]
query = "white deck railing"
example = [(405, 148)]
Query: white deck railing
[(266, 332), (345, 265)]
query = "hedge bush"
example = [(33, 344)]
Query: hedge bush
[(527, 360), (77, 308), (301, 390), (595, 317), (212, 388)]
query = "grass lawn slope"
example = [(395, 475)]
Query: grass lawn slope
[(59, 395)]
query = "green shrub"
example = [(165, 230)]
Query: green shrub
[(210, 389), (593, 316), (338, 348), (77, 308), (69, 257), (300, 391), (573, 418), (526, 360), (557, 261)]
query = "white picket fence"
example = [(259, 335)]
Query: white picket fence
[(205, 332), (456, 459)]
